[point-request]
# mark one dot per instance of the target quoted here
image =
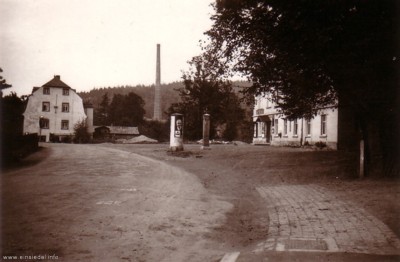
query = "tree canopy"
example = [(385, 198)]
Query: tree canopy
[(310, 52), (203, 93), (126, 110)]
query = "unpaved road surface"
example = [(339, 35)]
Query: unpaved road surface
[(114, 202), (84, 203)]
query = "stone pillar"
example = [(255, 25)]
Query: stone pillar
[(206, 132), (88, 107), (176, 132)]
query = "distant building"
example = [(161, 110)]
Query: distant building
[(115, 132), (331, 126), (53, 110)]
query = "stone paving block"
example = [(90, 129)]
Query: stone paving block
[(313, 212)]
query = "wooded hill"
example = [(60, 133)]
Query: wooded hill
[(169, 95)]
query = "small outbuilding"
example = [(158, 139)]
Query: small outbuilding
[(115, 132)]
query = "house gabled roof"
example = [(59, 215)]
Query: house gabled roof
[(56, 82)]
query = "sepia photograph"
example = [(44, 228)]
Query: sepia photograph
[(199, 130)]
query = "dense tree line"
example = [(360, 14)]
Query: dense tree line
[(123, 110), (311, 54), (168, 94)]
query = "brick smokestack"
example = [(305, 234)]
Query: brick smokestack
[(157, 93)]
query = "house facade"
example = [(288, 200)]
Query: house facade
[(273, 128), (53, 110)]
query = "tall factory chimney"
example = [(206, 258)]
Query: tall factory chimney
[(157, 93)]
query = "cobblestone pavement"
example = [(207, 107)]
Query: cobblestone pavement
[(311, 218)]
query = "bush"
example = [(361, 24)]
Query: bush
[(81, 134), (320, 144), (157, 130)]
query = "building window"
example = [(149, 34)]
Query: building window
[(323, 124), (46, 91), (260, 111), (65, 91), (285, 126), (65, 107), (44, 123), (276, 126), (295, 127), (308, 127), (64, 124), (46, 106), (255, 129)]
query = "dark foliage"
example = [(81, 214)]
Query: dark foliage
[(81, 133), (12, 108), (126, 110), (311, 54), (3, 82), (155, 129), (204, 94), (168, 94)]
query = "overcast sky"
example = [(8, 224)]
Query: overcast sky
[(98, 43)]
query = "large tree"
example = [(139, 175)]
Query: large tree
[(126, 110), (203, 93), (3, 83), (102, 112), (316, 53)]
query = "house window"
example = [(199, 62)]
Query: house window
[(44, 123), (295, 127), (46, 91), (276, 126), (64, 124), (285, 126), (255, 129), (323, 124), (46, 106), (65, 107), (308, 127), (65, 91)]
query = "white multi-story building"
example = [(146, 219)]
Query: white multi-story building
[(53, 110), (271, 127)]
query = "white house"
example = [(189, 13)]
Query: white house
[(53, 110), (271, 127)]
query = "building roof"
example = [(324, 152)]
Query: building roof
[(121, 130), (263, 118), (56, 82)]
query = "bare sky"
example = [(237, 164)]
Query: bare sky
[(98, 43)]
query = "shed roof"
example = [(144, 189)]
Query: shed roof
[(121, 130)]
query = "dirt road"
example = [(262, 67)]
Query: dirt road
[(85, 203), (113, 202)]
